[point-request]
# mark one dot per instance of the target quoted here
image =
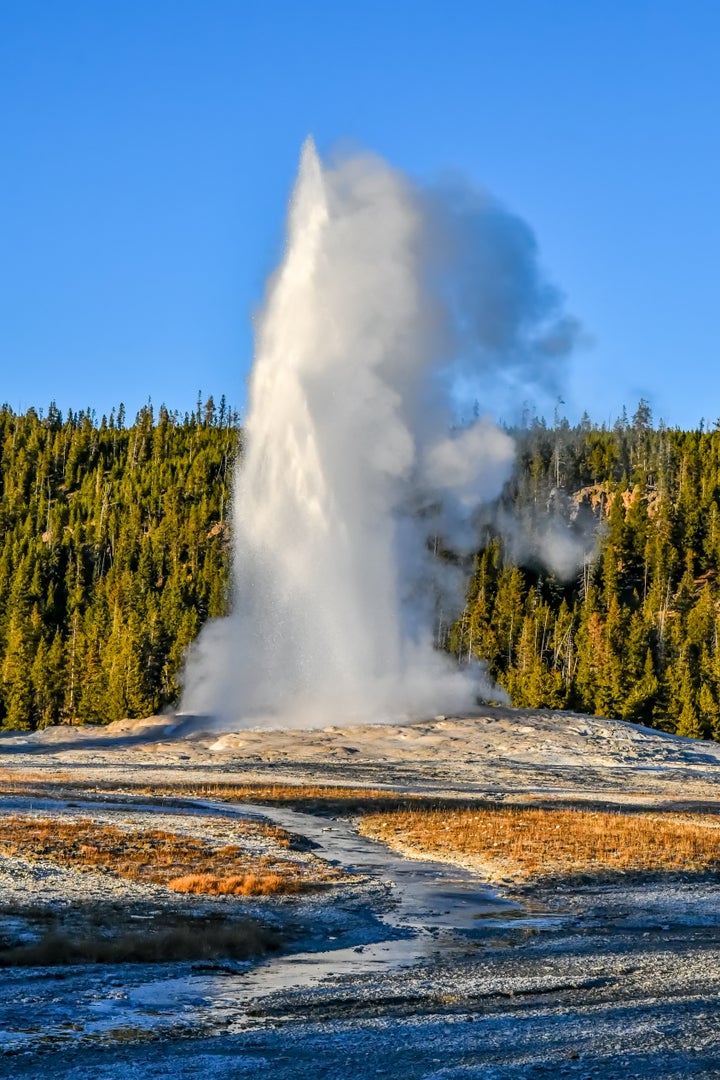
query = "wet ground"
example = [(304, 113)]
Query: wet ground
[(394, 913), (409, 969)]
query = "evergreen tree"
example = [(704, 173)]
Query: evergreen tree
[(114, 550)]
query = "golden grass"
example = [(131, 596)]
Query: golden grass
[(501, 841), (309, 797), (159, 857), (235, 885), (516, 843), (13, 777)]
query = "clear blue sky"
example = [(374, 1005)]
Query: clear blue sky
[(148, 147)]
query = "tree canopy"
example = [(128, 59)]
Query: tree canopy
[(633, 632), (114, 550)]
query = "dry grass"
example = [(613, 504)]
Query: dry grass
[(500, 841), (183, 939), (517, 843), (235, 885), (13, 777), (159, 857), (325, 798)]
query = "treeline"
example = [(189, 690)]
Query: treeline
[(113, 551), (635, 632)]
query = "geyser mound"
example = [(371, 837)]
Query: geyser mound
[(391, 304)]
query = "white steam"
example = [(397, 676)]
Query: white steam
[(391, 302)]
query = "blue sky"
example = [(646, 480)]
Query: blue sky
[(148, 148)]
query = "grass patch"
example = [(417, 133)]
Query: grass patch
[(312, 798), (160, 941), (235, 885), (160, 857), (518, 843), (321, 798), (324, 799), (501, 841)]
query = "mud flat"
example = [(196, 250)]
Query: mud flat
[(401, 967)]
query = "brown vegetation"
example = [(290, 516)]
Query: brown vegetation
[(499, 840), (518, 843), (323, 798), (169, 938), (159, 857), (312, 798), (235, 885)]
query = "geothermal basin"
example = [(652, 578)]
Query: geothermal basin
[(401, 966)]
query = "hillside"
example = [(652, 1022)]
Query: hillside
[(114, 549), (113, 552)]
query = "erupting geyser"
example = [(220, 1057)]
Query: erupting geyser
[(391, 302)]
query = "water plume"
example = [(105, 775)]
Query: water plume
[(392, 303)]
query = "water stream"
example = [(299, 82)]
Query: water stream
[(425, 894), (428, 911), (433, 910)]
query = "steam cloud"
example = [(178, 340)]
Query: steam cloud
[(392, 307)]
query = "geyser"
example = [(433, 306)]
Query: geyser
[(391, 305)]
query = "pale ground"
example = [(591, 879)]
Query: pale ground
[(499, 750), (407, 970)]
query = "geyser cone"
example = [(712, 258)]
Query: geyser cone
[(351, 463)]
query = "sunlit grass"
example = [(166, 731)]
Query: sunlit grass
[(159, 857), (37, 783), (499, 840), (517, 843), (301, 796), (257, 884)]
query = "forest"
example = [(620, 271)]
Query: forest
[(113, 552), (115, 548)]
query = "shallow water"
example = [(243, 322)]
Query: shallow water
[(430, 910), (424, 893)]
